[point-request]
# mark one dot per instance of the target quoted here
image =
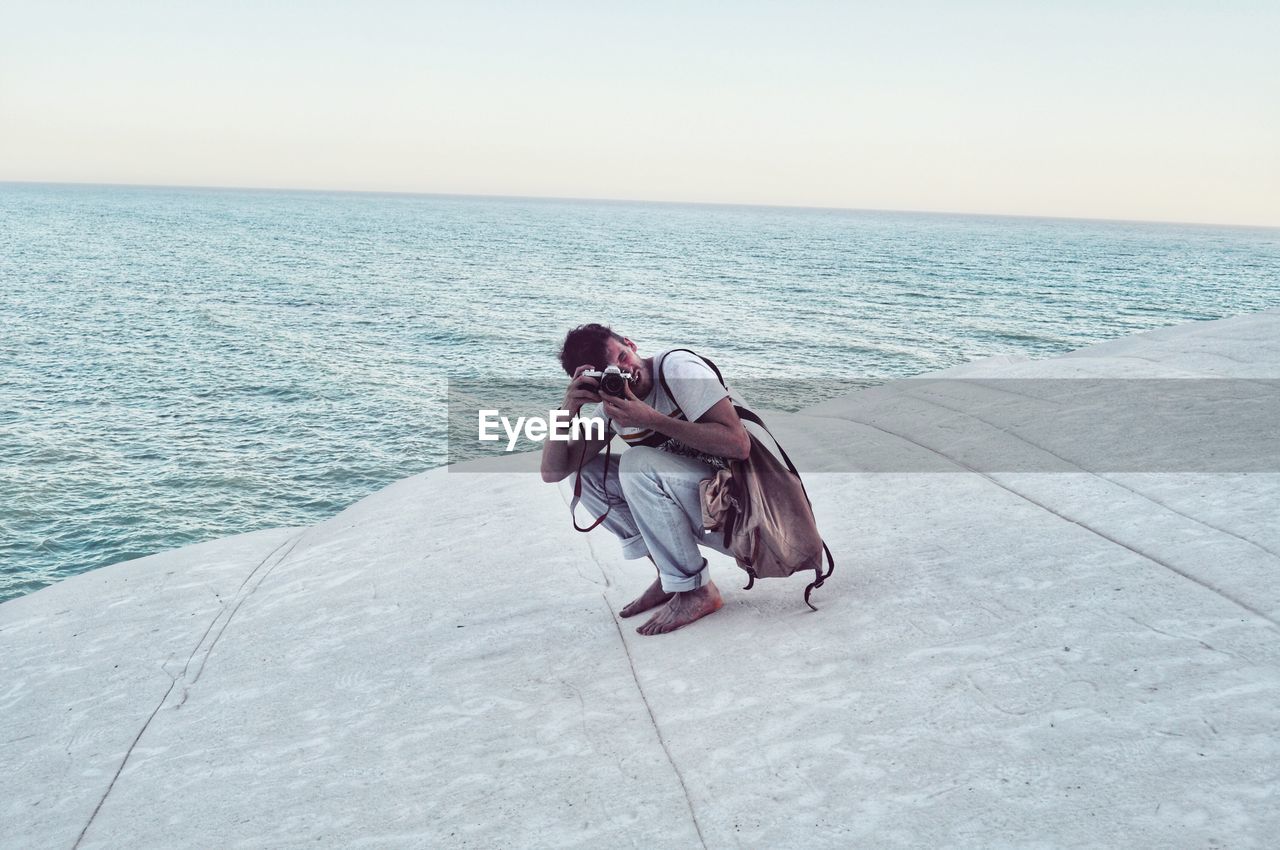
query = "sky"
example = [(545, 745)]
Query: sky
[(1163, 111)]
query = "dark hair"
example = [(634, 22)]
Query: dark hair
[(586, 344)]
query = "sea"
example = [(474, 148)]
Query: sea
[(178, 365)]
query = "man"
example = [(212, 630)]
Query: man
[(651, 490)]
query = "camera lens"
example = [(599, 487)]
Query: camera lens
[(612, 384)]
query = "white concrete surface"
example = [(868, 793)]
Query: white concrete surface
[(1082, 658)]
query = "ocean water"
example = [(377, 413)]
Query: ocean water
[(178, 365)]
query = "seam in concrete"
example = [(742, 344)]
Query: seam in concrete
[(1202, 643), (1152, 558), (124, 761), (1102, 477), (174, 679), (684, 789), (292, 544), (657, 729)]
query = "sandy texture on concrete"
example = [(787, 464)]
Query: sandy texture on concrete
[(1080, 657)]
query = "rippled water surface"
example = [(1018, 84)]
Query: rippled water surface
[(178, 365)]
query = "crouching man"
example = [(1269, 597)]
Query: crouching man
[(650, 490)]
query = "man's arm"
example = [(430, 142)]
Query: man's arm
[(560, 458), (717, 432)]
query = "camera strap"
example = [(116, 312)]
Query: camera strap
[(604, 482)]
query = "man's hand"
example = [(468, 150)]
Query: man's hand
[(581, 391), (629, 411)]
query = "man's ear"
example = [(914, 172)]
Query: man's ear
[(628, 343)]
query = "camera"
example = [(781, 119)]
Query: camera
[(613, 381)]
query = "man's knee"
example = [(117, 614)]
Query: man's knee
[(644, 470), (638, 472), (639, 460)]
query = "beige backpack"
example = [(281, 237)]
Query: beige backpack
[(761, 508)]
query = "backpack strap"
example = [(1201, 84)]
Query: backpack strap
[(666, 388), (819, 575), (743, 413)]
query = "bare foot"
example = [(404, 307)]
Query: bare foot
[(653, 596), (683, 609)]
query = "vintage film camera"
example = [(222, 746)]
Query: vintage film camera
[(613, 381)]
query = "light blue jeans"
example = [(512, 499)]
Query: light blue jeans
[(655, 510)]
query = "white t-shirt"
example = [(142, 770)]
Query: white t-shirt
[(696, 390)]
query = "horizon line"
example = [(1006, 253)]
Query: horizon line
[(600, 200)]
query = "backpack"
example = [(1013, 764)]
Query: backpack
[(761, 507)]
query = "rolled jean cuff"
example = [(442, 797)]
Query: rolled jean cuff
[(682, 583), (633, 547)]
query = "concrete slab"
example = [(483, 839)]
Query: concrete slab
[(1033, 658)]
